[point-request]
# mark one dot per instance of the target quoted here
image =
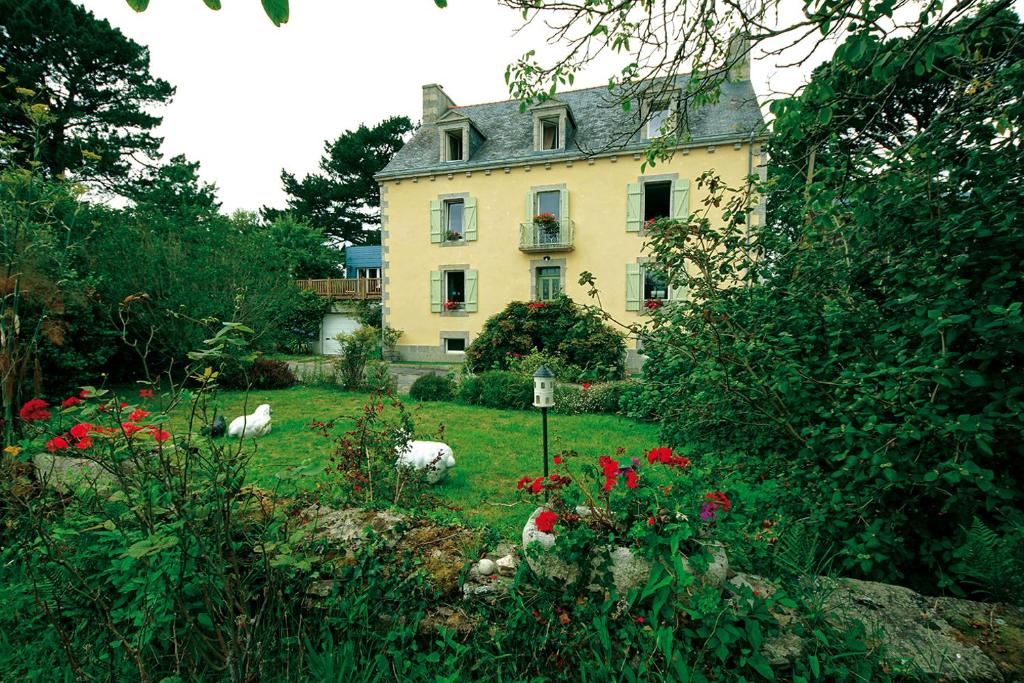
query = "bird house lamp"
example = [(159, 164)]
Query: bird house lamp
[(543, 388)]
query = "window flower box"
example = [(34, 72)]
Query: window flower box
[(653, 304), (452, 236), (546, 221), (453, 305)]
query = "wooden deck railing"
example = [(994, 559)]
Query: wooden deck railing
[(343, 288)]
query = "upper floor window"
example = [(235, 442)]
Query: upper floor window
[(368, 273), (549, 134), (549, 201), (657, 200), (453, 145), (455, 213), (655, 285)]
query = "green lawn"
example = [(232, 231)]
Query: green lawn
[(493, 448)]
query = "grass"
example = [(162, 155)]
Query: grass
[(493, 448)]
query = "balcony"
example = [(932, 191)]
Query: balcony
[(535, 238), (343, 289)]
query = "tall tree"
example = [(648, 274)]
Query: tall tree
[(95, 83), (343, 199)]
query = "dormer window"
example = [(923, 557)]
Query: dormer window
[(549, 134), (553, 126), (658, 119), (453, 145)]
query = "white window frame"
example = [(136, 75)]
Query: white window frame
[(364, 273), (643, 198), (445, 289), (457, 352), (446, 219)]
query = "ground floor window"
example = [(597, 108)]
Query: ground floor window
[(549, 282), (454, 345)]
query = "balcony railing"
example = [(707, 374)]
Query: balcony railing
[(533, 237), (343, 289)]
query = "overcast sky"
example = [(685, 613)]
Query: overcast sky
[(253, 98)]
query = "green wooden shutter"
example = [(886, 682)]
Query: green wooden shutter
[(634, 207), (680, 199), (435, 222), (471, 279), (469, 227), (633, 287), (435, 291)]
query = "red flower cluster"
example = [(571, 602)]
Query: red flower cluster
[(451, 305), (653, 304), (55, 444), (72, 401), (146, 393), (665, 457), (536, 485), (558, 460), (610, 470), (138, 415), (631, 482), (536, 304), (719, 500), (586, 385), (33, 410), (545, 521)]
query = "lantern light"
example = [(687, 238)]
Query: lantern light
[(543, 388)]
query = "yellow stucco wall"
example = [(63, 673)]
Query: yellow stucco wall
[(597, 204)]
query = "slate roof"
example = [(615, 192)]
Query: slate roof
[(602, 127)]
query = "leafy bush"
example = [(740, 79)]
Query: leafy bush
[(500, 389), (379, 379), (302, 327), (497, 389), (261, 373), (369, 313), (432, 388), (356, 349), (527, 365), (866, 341), (560, 328)]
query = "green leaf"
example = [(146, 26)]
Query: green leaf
[(824, 115), (212, 4), (441, 3), (138, 5), (815, 666), (759, 664), (277, 10)]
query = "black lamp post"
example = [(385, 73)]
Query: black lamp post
[(544, 398)]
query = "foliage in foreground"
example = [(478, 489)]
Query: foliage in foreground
[(866, 342)]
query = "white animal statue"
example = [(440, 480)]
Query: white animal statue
[(257, 424), (433, 457)]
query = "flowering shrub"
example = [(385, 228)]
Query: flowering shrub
[(561, 329), (652, 503)]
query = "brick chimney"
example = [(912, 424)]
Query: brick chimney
[(737, 58), (435, 103)]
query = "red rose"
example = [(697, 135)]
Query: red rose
[(545, 521), (72, 401), (55, 444), (33, 410)]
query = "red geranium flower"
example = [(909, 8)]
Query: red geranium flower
[(55, 444), (130, 428), (81, 430), (84, 393), (146, 393), (558, 460), (33, 410), (72, 401), (631, 479), (537, 486), (138, 415), (523, 481), (653, 304), (82, 444), (586, 385), (651, 521), (536, 304), (545, 521), (160, 435)]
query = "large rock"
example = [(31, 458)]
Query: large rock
[(65, 474)]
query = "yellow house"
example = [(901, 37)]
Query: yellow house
[(487, 204)]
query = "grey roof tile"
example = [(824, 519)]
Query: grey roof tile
[(602, 127)]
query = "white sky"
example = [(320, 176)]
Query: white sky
[(253, 98)]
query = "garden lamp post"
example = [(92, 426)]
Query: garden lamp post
[(544, 398)]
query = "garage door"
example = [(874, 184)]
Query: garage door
[(334, 324)]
